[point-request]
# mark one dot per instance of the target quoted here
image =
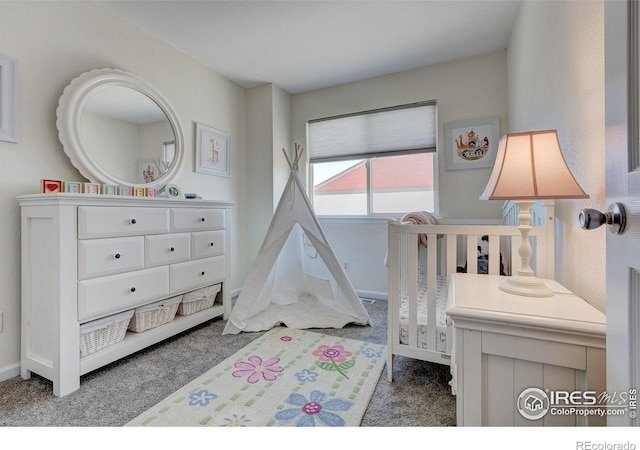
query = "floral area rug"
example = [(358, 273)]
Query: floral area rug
[(287, 377)]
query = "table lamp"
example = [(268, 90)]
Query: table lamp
[(530, 166)]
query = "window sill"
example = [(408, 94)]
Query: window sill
[(356, 219)]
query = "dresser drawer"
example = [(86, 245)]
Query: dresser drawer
[(162, 249), (101, 296), (193, 219), (193, 274), (100, 257), (95, 222), (207, 243)]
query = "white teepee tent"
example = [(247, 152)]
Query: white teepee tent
[(296, 279)]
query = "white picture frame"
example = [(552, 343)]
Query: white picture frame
[(213, 151), (172, 191), (8, 99), (471, 144)]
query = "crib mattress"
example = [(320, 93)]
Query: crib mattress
[(441, 318)]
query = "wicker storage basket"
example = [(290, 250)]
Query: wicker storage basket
[(101, 333), (154, 314), (197, 300)]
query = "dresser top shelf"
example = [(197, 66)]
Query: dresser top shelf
[(72, 198)]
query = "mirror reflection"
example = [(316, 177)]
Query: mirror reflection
[(117, 129), (127, 134)]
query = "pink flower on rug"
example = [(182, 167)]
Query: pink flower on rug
[(335, 353), (255, 369), (285, 341)]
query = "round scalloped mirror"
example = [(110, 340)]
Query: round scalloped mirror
[(116, 129)]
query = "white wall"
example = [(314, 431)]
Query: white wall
[(269, 113), (55, 42), (556, 80), (281, 140), (259, 179), (465, 89)]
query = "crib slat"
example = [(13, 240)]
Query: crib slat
[(432, 285), (472, 254), (505, 246), (412, 288), (494, 255), (394, 258), (452, 253)]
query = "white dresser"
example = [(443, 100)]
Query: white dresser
[(85, 257), (510, 349)]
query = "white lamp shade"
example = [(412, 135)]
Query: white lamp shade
[(530, 166)]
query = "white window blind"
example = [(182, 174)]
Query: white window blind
[(401, 129)]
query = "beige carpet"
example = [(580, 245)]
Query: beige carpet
[(116, 394)]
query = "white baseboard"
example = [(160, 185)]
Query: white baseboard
[(373, 295), (362, 294), (8, 372)]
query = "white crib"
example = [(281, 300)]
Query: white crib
[(417, 322)]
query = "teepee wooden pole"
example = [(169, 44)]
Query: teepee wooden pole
[(298, 154), (299, 151), (288, 160)]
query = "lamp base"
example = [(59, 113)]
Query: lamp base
[(528, 286), (524, 282)]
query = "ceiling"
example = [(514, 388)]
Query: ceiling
[(305, 45)]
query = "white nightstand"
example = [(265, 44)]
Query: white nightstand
[(504, 345)]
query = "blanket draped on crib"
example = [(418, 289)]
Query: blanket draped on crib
[(418, 218), (421, 218)]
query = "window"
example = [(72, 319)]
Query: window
[(375, 162)]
